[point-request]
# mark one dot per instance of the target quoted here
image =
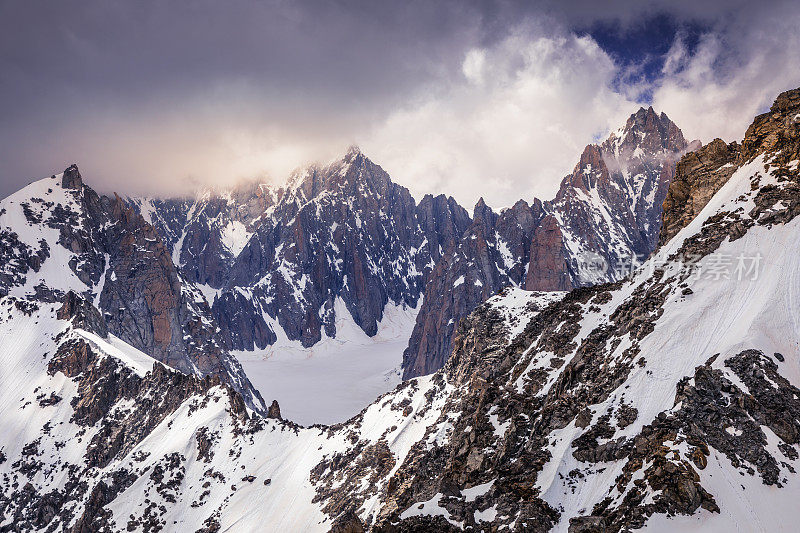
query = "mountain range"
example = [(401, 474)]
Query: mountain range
[(273, 261), (622, 356)]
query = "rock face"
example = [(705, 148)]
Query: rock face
[(698, 176), (340, 232), (609, 408), (701, 174), (492, 254), (603, 222), (82, 314), (275, 260), (97, 252), (548, 266), (71, 179)]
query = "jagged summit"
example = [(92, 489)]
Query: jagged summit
[(296, 179), (648, 131), (279, 263), (352, 173), (68, 240), (603, 221), (623, 181), (481, 210), (71, 178), (353, 151)]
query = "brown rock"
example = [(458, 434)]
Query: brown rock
[(83, 314), (347, 523), (698, 176), (698, 458), (274, 410), (548, 269)]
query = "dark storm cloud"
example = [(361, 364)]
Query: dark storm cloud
[(140, 50), (67, 66), (157, 91)]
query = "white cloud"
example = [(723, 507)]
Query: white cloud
[(734, 73), (473, 66), (511, 128), (517, 120)]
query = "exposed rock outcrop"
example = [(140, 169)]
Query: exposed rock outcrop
[(113, 261), (71, 179), (82, 314), (702, 173), (698, 176), (274, 410)]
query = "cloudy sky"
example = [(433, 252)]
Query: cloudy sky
[(494, 99)]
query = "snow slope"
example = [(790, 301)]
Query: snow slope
[(336, 378), (278, 456), (721, 316)]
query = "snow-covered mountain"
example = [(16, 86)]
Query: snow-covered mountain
[(282, 264), (609, 208), (57, 237), (603, 222), (273, 262), (669, 400)]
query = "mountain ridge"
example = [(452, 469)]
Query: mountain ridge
[(60, 237), (602, 223), (233, 241)]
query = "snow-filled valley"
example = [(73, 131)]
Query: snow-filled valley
[(336, 378)]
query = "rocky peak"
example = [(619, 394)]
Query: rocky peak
[(647, 140), (775, 130), (604, 219), (647, 130), (522, 212), (353, 152), (352, 174), (274, 410), (443, 221), (590, 171), (607, 212), (446, 206), (71, 179), (701, 173), (483, 214)]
